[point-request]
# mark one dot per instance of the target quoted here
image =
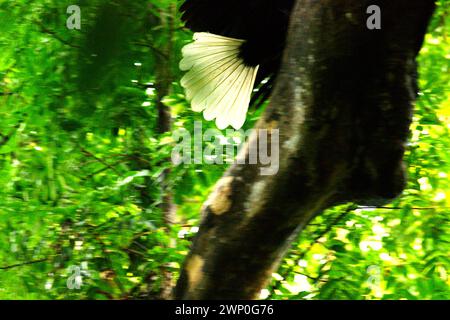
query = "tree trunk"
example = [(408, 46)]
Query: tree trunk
[(343, 104), (163, 85)]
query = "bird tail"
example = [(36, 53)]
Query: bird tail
[(218, 83)]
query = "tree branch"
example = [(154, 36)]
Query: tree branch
[(52, 33), (23, 264)]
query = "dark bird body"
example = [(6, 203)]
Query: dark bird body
[(262, 24)]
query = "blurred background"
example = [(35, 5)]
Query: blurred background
[(91, 206)]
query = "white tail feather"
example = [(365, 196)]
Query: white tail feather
[(217, 83)]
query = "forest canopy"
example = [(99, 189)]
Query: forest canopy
[(92, 207)]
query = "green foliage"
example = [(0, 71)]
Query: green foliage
[(84, 171)]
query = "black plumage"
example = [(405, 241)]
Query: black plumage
[(261, 25)]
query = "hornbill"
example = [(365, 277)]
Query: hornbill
[(238, 45)]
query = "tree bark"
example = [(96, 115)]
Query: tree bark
[(343, 104), (163, 85)]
